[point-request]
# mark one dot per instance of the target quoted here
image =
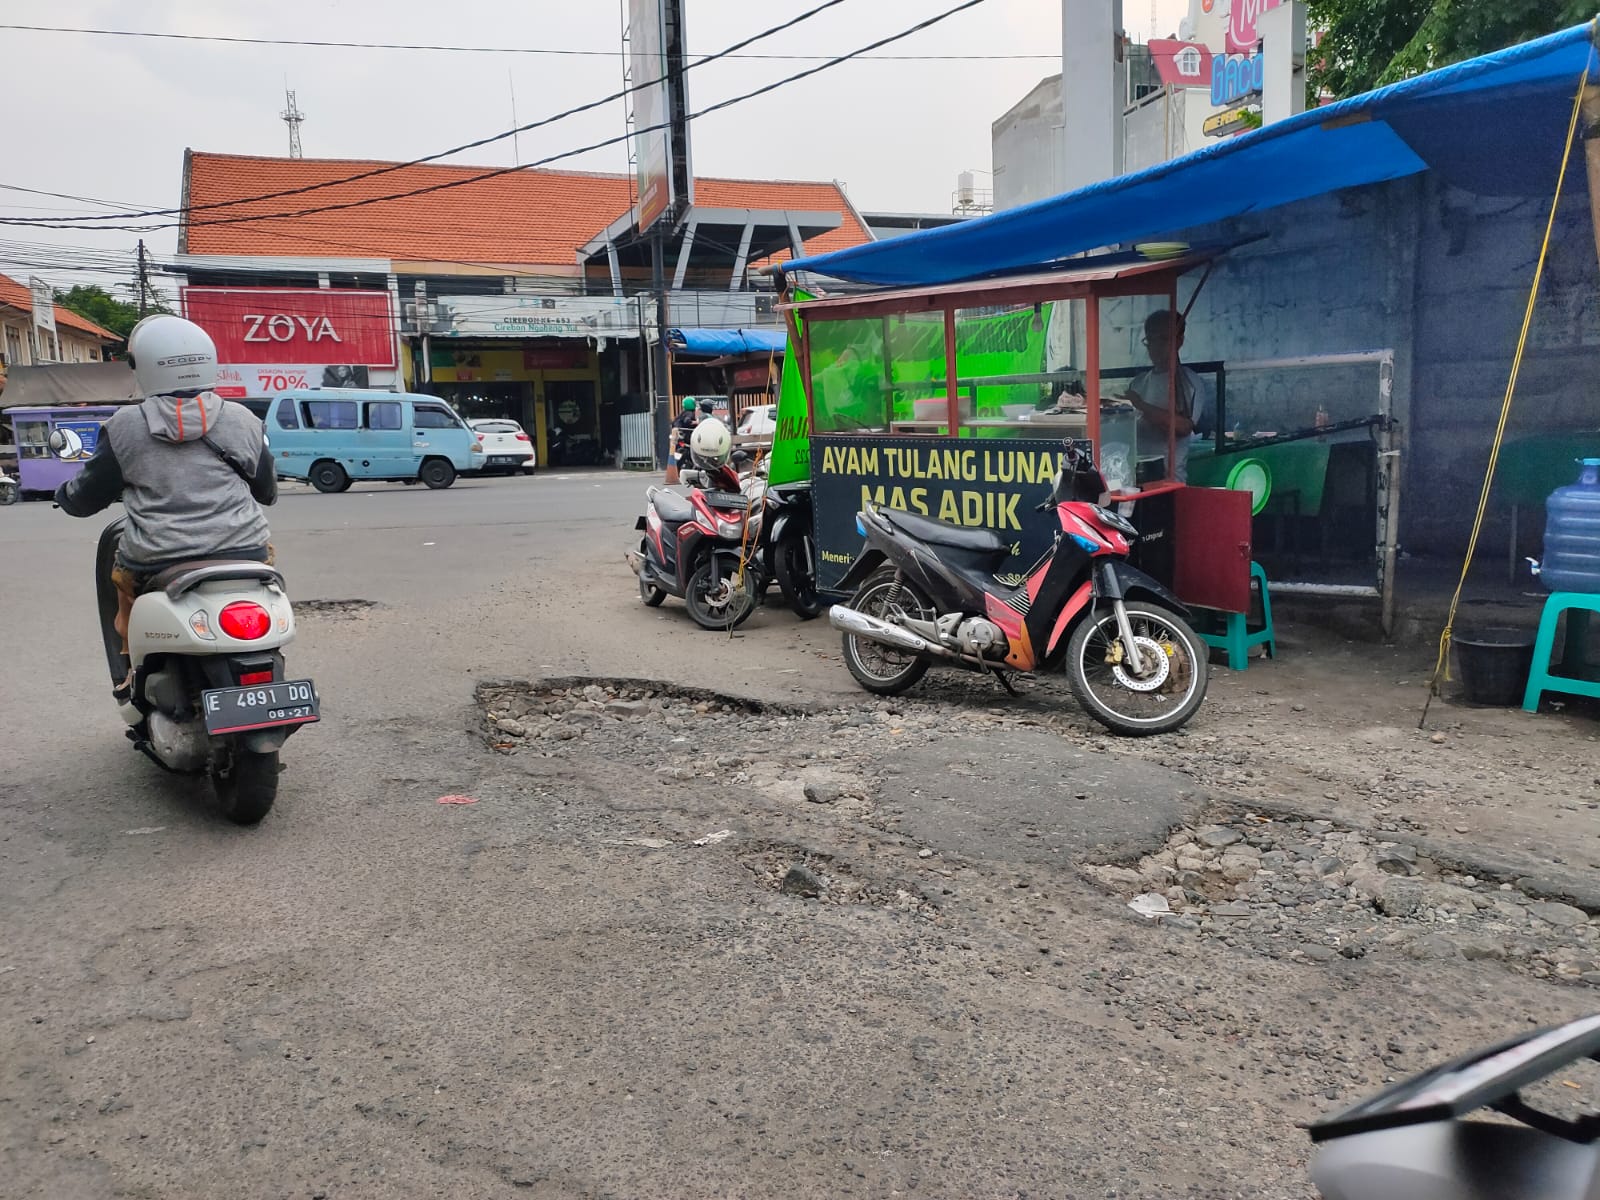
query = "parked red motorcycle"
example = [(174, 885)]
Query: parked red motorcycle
[(703, 547), (926, 593)]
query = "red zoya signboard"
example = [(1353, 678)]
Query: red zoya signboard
[(330, 326)]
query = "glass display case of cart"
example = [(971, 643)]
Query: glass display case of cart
[(1053, 355)]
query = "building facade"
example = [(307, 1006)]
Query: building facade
[(521, 294), (23, 344)]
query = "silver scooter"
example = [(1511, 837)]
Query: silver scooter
[(210, 693), (1413, 1142)]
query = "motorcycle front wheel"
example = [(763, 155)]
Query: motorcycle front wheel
[(791, 563), (9, 493), (1160, 698), (884, 670), (248, 787), (725, 604)]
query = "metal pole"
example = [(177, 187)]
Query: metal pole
[(663, 369), (143, 278)]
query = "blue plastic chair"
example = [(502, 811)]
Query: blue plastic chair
[(1236, 636), (1577, 606)]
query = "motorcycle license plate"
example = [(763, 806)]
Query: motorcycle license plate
[(265, 706)]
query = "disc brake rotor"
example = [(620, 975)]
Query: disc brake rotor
[(1157, 659)]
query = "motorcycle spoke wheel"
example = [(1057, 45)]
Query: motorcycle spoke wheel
[(882, 669), (1158, 699)]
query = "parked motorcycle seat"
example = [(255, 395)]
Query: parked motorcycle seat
[(185, 577), (942, 533), (674, 509)]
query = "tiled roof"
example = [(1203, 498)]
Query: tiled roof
[(527, 217), (16, 295)]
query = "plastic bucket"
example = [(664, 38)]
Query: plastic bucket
[(1494, 665)]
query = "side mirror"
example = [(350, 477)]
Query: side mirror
[(66, 444)]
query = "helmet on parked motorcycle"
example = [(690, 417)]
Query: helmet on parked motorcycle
[(710, 444), (169, 354)]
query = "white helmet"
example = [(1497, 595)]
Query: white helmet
[(169, 354), (710, 444)]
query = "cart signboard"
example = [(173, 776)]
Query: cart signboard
[(977, 484)]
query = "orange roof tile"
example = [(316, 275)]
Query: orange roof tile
[(530, 217), (16, 295)]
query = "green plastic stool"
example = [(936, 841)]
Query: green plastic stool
[(1237, 638), (1577, 606)]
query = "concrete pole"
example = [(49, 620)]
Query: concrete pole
[(1091, 91), (1283, 43)]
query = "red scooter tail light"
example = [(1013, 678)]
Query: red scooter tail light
[(251, 678), (245, 621)]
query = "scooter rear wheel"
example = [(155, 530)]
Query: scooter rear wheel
[(880, 669), (248, 788)]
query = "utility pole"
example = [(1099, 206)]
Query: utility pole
[(144, 282), (662, 366)]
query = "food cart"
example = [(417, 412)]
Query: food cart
[(952, 401), (38, 471)]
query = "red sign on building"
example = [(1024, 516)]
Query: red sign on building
[(328, 326)]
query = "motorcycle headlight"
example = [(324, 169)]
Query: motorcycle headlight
[(1118, 522)]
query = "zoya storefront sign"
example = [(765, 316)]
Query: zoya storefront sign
[(333, 326), (272, 340)]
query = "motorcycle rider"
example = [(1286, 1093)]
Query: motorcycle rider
[(191, 470), (682, 427)]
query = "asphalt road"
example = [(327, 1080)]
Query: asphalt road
[(555, 992)]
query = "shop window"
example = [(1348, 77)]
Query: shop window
[(383, 414), (287, 417), (33, 439), (433, 416), (331, 414)]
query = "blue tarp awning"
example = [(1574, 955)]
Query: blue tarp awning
[(717, 343), (1494, 125)]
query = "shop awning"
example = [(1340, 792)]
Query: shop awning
[(714, 343), (1494, 125), (68, 383)]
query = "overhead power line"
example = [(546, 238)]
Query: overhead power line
[(387, 168), (533, 50), (501, 171)]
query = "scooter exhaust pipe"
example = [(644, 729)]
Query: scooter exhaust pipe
[(635, 561), (848, 620)]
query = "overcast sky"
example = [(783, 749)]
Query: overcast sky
[(121, 110)]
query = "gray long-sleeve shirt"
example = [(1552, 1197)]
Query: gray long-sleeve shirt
[(192, 473)]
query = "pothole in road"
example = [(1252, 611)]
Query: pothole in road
[(517, 714), (1310, 890), (348, 609), (810, 875)]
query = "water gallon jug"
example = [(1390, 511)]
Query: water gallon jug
[(1572, 534)]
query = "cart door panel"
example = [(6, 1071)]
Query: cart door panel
[(1211, 548)]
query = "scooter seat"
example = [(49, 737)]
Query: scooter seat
[(673, 508), (942, 533), (184, 577)]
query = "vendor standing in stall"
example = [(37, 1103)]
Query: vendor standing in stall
[(1191, 406)]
